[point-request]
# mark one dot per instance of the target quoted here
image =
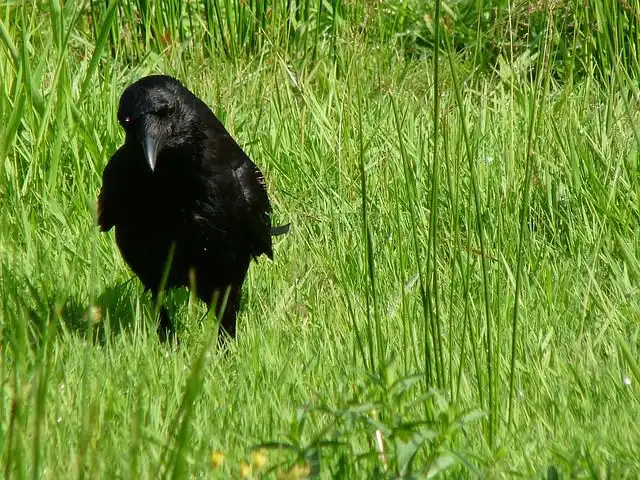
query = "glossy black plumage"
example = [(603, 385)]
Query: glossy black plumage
[(181, 179)]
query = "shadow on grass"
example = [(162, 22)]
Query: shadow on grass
[(123, 307), (30, 312), (113, 312), (32, 309)]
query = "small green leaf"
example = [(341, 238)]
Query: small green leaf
[(442, 463), (406, 451)]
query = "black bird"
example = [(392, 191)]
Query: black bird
[(182, 190)]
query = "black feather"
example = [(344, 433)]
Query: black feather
[(181, 179), (280, 230)]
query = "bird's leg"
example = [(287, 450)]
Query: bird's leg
[(228, 320), (227, 316), (166, 330)]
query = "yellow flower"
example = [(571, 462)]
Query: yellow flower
[(296, 472), (245, 470), (217, 459), (94, 314), (259, 459)]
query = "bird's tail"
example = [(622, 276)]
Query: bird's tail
[(280, 230)]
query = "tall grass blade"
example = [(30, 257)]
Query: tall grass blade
[(480, 232), (101, 43)]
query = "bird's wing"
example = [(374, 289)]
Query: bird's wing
[(109, 196), (250, 183)]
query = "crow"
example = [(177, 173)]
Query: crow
[(188, 205)]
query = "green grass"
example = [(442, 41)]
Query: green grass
[(462, 279)]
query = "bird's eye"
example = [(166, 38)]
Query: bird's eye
[(128, 121), (164, 112)]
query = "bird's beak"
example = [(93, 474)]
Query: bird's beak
[(152, 143), (151, 146)]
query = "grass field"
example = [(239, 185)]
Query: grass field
[(458, 295)]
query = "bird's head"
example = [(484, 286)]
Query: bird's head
[(155, 112)]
